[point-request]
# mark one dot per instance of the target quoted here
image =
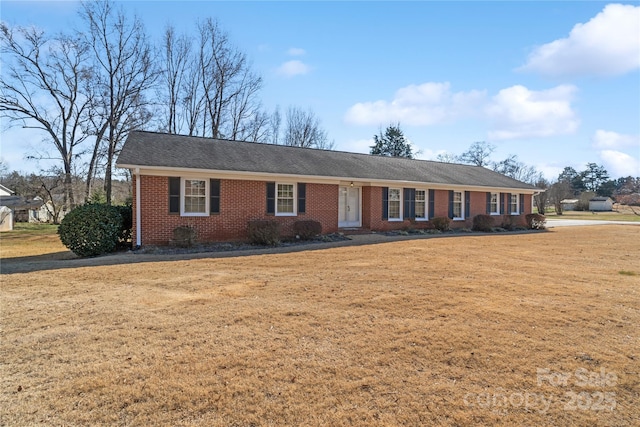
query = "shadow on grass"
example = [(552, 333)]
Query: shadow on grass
[(66, 259)]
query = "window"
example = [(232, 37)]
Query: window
[(194, 202), (494, 205), (394, 204), (458, 205), (285, 199), (421, 204), (514, 205)]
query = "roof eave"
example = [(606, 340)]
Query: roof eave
[(268, 176)]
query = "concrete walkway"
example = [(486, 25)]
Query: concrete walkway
[(551, 223)]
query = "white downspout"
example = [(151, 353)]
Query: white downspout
[(138, 221)]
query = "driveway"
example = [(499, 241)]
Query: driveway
[(551, 223)]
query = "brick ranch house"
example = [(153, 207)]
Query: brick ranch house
[(218, 186)]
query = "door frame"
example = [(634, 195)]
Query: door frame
[(351, 224)]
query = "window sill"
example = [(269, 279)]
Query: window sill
[(285, 214), (195, 214), (458, 219), (395, 220)]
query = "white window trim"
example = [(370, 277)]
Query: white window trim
[(207, 198), (517, 211), (462, 206), (426, 205), (400, 207), (497, 212), (295, 200)]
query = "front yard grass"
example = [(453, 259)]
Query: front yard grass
[(530, 329)]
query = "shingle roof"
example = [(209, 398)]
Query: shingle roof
[(158, 150)]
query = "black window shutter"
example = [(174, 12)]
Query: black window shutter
[(385, 202), (302, 197), (488, 203), (451, 204), (432, 203), (214, 194), (271, 198), (522, 204), (467, 204), (409, 203), (503, 198), (174, 194)]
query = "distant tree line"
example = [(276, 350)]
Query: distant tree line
[(593, 180), (86, 88)]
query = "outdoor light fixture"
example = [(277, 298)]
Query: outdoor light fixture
[(351, 184)]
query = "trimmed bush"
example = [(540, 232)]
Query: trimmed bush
[(124, 238), (307, 229), (184, 236), (483, 223), (509, 222), (264, 232), (536, 221), (91, 229), (441, 223)]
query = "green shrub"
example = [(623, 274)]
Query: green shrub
[(483, 223), (264, 232), (184, 236), (509, 222), (124, 237), (307, 229), (536, 221), (441, 223), (91, 229)]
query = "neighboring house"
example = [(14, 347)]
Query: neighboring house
[(601, 204), (569, 204), (44, 213), (11, 206), (6, 219), (6, 214), (20, 206), (217, 186), (4, 191)]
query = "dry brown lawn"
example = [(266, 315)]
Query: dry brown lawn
[(531, 329)]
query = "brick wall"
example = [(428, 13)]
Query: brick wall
[(240, 202)]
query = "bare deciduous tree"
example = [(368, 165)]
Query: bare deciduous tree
[(228, 86), (41, 88), (302, 129), (516, 169), (446, 158), (275, 121), (557, 192), (176, 56), (125, 68), (478, 154)]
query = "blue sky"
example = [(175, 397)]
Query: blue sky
[(557, 83)]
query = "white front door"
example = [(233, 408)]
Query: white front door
[(349, 207)]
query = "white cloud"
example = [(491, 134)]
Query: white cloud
[(296, 51), (609, 44), (518, 112), (620, 164), (293, 68), (421, 105), (603, 139)]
